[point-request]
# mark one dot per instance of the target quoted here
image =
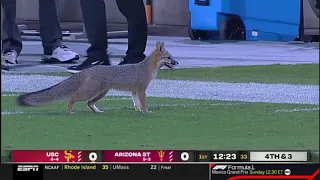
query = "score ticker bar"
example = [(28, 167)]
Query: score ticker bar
[(199, 171), (110, 171), (77, 156)]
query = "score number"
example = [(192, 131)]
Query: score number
[(93, 156), (184, 156), (153, 167)]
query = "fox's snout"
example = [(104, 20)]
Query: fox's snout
[(170, 63), (173, 62)]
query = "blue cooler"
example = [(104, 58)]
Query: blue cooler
[(266, 20)]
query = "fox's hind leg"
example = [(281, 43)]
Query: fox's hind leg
[(74, 98), (136, 101), (142, 99), (92, 102)]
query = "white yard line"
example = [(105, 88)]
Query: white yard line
[(297, 110), (246, 92), (9, 94)]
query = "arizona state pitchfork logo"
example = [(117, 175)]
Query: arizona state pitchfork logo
[(161, 155)]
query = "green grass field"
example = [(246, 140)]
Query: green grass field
[(174, 123)]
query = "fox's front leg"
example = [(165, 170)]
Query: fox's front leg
[(136, 101), (70, 107), (142, 100)]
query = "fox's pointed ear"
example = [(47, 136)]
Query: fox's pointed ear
[(162, 47), (158, 45)]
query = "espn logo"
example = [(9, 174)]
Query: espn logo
[(28, 168), (220, 167)]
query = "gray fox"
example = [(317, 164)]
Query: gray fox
[(92, 84)]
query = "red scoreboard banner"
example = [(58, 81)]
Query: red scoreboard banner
[(50, 156), (102, 156)]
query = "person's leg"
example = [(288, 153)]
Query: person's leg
[(94, 18), (11, 38), (135, 14), (51, 34)]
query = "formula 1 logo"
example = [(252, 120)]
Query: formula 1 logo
[(220, 167), (28, 168)]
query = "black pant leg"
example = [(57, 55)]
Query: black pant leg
[(50, 30), (11, 38), (94, 18), (134, 11)]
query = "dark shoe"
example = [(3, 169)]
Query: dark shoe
[(127, 60), (85, 65), (122, 62)]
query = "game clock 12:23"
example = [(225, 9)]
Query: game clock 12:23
[(224, 156)]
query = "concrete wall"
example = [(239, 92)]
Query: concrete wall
[(171, 12), (311, 21), (165, 12), (69, 10), (113, 13), (28, 10)]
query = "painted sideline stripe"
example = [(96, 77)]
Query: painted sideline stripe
[(206, 90), (124, 107), (11, 94), (106, 98), (315, 152), (297, 110)]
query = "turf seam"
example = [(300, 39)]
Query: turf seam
[(125, 107)]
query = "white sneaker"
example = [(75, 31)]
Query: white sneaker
[(61, 54), (10, 57), (4, 65)]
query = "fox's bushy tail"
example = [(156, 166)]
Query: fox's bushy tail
[(59, 91)]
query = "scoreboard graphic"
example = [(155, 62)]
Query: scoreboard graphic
[(160, 164), (158, 156)]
